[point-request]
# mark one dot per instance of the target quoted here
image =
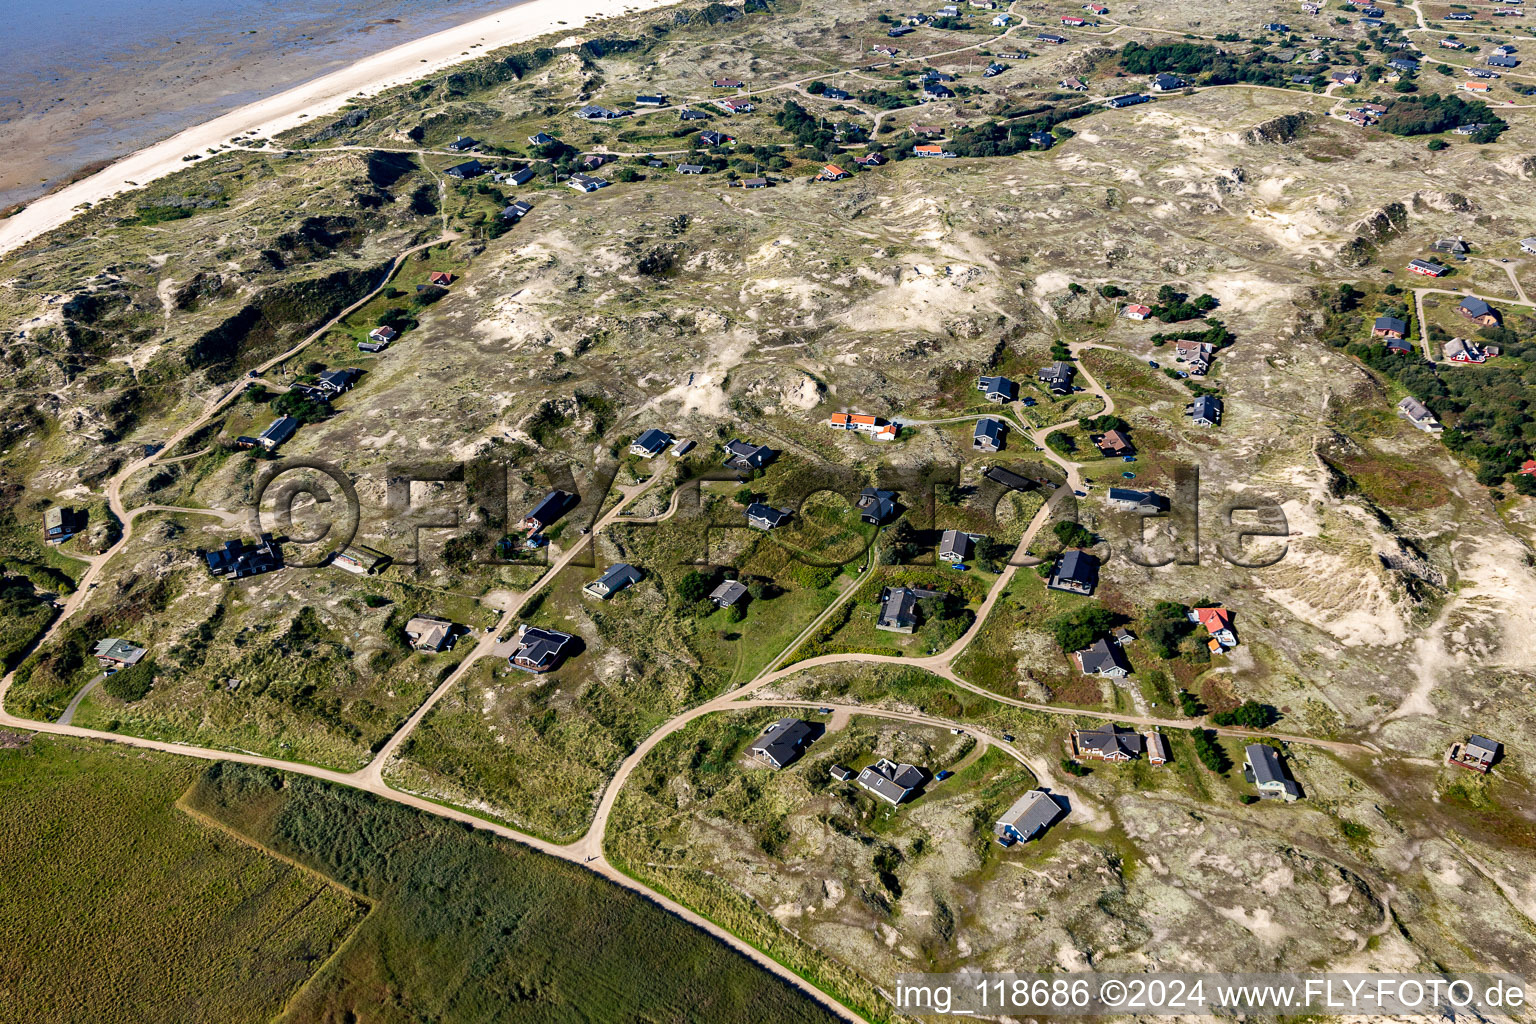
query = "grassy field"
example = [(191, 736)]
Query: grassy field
[(467, 928), (119, 907)]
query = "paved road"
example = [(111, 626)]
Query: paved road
[(74, 705)]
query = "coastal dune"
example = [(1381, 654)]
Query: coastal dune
[(327, 94)]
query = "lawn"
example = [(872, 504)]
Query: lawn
[(470, 928), (853, 627), (119, 907)]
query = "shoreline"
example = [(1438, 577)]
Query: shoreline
[(326, 94)]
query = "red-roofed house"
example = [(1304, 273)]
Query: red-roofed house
[(928, 149), (1072, 19), (874, 426), (1528, 467), (832, 172), (1136, 312), (1218, 623)]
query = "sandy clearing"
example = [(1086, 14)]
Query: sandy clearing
[(398, 66)]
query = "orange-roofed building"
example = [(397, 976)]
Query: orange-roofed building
[(831, 172), (874, 426), (1218, 623)]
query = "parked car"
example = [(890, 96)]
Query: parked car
[(1152, 363), (942, 776)]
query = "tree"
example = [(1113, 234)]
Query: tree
[(1167, 623), (1109, 291), (694, 586), (1078, 629), (1190, 704), (1209, 751), (1072, 535), (1249, 714)]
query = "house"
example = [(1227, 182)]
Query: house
[(1098, 9), (1050, 39), (1206, 411), (383, 335), (539, 650), (650, 444), (1028, 817), (930, 149), (1303, 79), (1476, 87), (1497, 61), (1167, 83), (113, 654), (1528, 246), (1474, 308), (1400, 346), (1389, 327), (1144, 502), (998, 389), (1107, 743), (1076, 572), (1045, 140), (890, 781), (463, 144), (359, 560), (1074, 84), (766, 517), (541, 139), (728, 593), (1460, 350), (744, 456), (1427, 268), (1114, 443), (428, 634), (837, 95), (874, 426), (840, 773), (711, 139), (372, 346), (898, 610), (1452, 44), (989, 435), (727, 83), (1128, 100), (870, 159), (465, 171), (60, 524), (736, 106), (1102, 658), (1058, 377), (592, 161), (832, 172), (516, 211), (237, 561), (1477, 753), (277, 432), (876, 506), (1196, 353), (650, 101), (440, 278), (1418, 414), (614, 579), (1120, 636), (1261, 765), (754, 183), (1136, 311), (1073, 20), (1458, 16), (781, 743), (881, 48), (1009, 479), (586, 183), (549, 509), (1403, 64), (1218, 623), (1157, 748), (690, 168), (926, 131), (1276, 26), (592, 112), (955, 546), (1346, 77), (1002, 21)]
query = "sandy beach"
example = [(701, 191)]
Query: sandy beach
[(321, 96)]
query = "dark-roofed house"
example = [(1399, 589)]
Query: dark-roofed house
[(1028, 817), (876, 506), (840, 773), (690, 168), (1008, 478), (541, 139), (890, 781), (766, 517), (650, 101), (1145, 502), (586, 182), (1058, 377), (989, 435), (728, 593), (277, 432), (338, 382), (1128, 100), (650, 444), (468, 169), (237, 561), (463, 144), (744, 456), (517, 211), (1478, 753), (1206, 411), (1417, 413), (1261, 766), (1107, 743), (998, 389), (1076, 572), (1474, 308), (955, 546), (781, 743), (616, 578), (1164, 82), (538, 650), (898, 610), (1114, 443), (1389, 327), (549, 509), (113, 654), (428, 634), (1102, 658), (1427, 268), (712, 138)]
